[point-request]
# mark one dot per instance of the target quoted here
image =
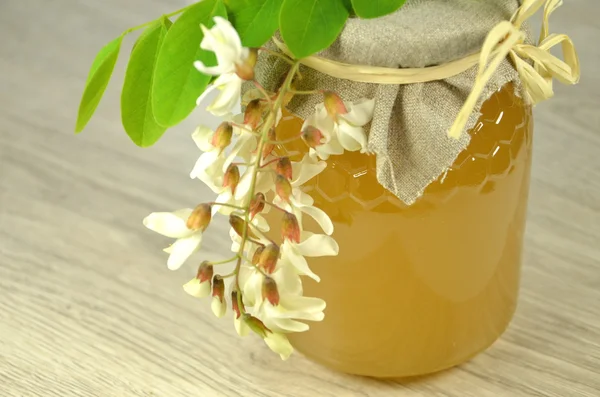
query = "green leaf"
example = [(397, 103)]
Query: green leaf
[(97, 80), (177, 84), (309, 26), (376, 8), (136, 97), (255, 20)]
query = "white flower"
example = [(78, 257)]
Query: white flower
[(218, 306), (173, 224), (280, 344), (197, 288), (241, 327), (212, 164), (301, 202), (224, 41), (311, 245), (343, 132)]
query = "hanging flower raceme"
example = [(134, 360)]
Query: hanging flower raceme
[(241, 164), (235, 64)]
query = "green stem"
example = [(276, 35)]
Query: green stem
[(264, 134), (224, 261)]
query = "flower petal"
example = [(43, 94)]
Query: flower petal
[(204, 162), (285, 325), (228, 97), (197, 289), (280, 344), (261, 223), (241, 327), (182, 249), (212, 70), (306, 169), (320, 217), (359, 112), (303, 304), (205, 94), (289, 254), (169, 224), (351, 138), (314, 245), (243, 146), (202, 137), (218, 306)]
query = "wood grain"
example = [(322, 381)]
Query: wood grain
[(88, 308)]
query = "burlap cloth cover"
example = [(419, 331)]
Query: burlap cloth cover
[(408, 133)]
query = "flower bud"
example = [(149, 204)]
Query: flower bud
[(253, 114), (284, 167), (235, 305), (218, 305), (269, 257), (200, 217), (257, 253), (222, 136), (334, 105), (283, 188), (231, 177), (238, 224), (290, 229), (205, 272), (256, 325), (257, 204), (269, 291), (312, 136), (245, 70), (269, 146)]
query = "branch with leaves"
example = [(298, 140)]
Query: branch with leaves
[(241, 162), (161, 85)]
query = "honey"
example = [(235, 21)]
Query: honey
[(417, 289)]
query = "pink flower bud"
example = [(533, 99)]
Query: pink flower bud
[(218, 288), (200, 217), (205, 272), (257, 204), (245, 70), (334, 104), (269, 146), (290, 229), (222, 136), (256, 325), (235, 305), (283, 188), (312, 136), (253, 114), (284, 167), (257, 254), (238, 225), (269, 291), (269, 257), (231, 177)]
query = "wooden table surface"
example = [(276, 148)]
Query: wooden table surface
[(88, 308)]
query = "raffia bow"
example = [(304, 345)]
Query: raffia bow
[(505, 39)]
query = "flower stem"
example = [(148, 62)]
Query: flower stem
[(270, 121), (224, 261), (284, 141), (275, 206), (277, 54), (263, 91), (237, 207), (313, 92)]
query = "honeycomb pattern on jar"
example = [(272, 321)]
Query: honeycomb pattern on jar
[(496, 140)]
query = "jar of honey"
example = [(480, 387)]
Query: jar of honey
[(420, 288)]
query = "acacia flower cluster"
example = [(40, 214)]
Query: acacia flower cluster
[(240, 164)]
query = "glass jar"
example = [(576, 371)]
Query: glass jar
[(417, 289)]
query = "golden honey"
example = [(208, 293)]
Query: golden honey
[(420, 288)]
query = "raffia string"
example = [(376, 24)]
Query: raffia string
[(505, 39)]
